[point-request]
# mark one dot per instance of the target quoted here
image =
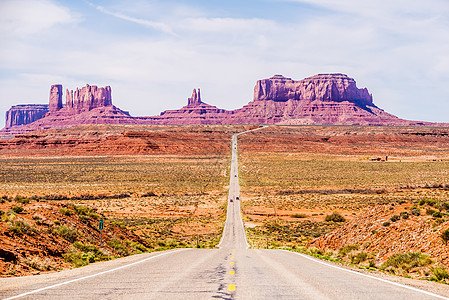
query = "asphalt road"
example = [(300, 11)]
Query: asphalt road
[(231, 272)]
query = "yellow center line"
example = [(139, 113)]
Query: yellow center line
[(232, 272), (232, 263), (231, 287), (232, 257)]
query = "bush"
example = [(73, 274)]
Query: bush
[(299, 216), (430, 212), (437, 214), (77, 258), (136, 247), (119, 247), (19, 199), (445, 235), (358, 258), (415, 211), (386, 223), (407, 260), (395, 218), (440, 273), (67, 232), (41, 264), (98, 255), (343, 251), (21, 227), (17, 209), (335, 217), (66, 211), (404, 215)]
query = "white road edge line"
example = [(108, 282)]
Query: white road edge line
[(369, 276), (93, 275)]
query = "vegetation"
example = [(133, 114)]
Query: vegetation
[(445, 236), (402, 262), (334, 217)]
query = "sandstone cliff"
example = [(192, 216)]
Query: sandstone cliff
[(324, 99), (25, 114)]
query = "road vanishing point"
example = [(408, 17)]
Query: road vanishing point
[(233, 271)]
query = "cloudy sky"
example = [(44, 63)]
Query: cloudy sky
[(154, 52)]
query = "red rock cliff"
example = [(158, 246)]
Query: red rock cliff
[(88, 98), (324, 87), (25, 114)]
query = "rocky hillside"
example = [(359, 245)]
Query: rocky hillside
[(39, 236), (387, 234)]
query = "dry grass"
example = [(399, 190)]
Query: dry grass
[(169, 200)]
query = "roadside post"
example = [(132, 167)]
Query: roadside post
[(100, 227)]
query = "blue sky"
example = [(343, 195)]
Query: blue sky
[(153, 53)]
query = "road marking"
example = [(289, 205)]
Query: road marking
[(93, 275), (232, 257), (232, 263), (369, 276), (232, 272), (231, 287)]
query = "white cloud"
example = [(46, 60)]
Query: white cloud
[(147, 23), (18, 17), (404, 62)]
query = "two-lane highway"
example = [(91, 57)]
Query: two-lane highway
[(231, 272)]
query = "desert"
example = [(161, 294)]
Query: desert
[(156, 189)]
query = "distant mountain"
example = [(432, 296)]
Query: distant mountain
[(324, 99)]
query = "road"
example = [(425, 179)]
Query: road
[(231, 272)]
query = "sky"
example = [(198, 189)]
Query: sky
[(154, 52)]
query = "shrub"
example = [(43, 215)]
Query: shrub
[(430, 212), (98, 255), (440, 273), (407, 260), (22, 200), (386, 223), (39, 263), (358, 258), (119, 247), (437, 214), (335, 217), (395, 218), (445, 235), (404, 215), (299, 216), (137, 247), (17, 209), (67, 232), (343, 251), (21, 227), (415, 211), (77, 258), (66, 211)]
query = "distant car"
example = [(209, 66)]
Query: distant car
[(237, 198), (230, 200), (235, 175)]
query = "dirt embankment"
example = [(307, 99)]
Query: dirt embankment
[(40, 236)]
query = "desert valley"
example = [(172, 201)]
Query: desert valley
[(336, 187)]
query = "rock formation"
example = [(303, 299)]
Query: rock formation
[(324, 99), (55, 101), (195, 112), (25, 114), (89, 105), (88, 98), (324, 87)]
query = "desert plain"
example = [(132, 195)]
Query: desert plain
[(371, 197)]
